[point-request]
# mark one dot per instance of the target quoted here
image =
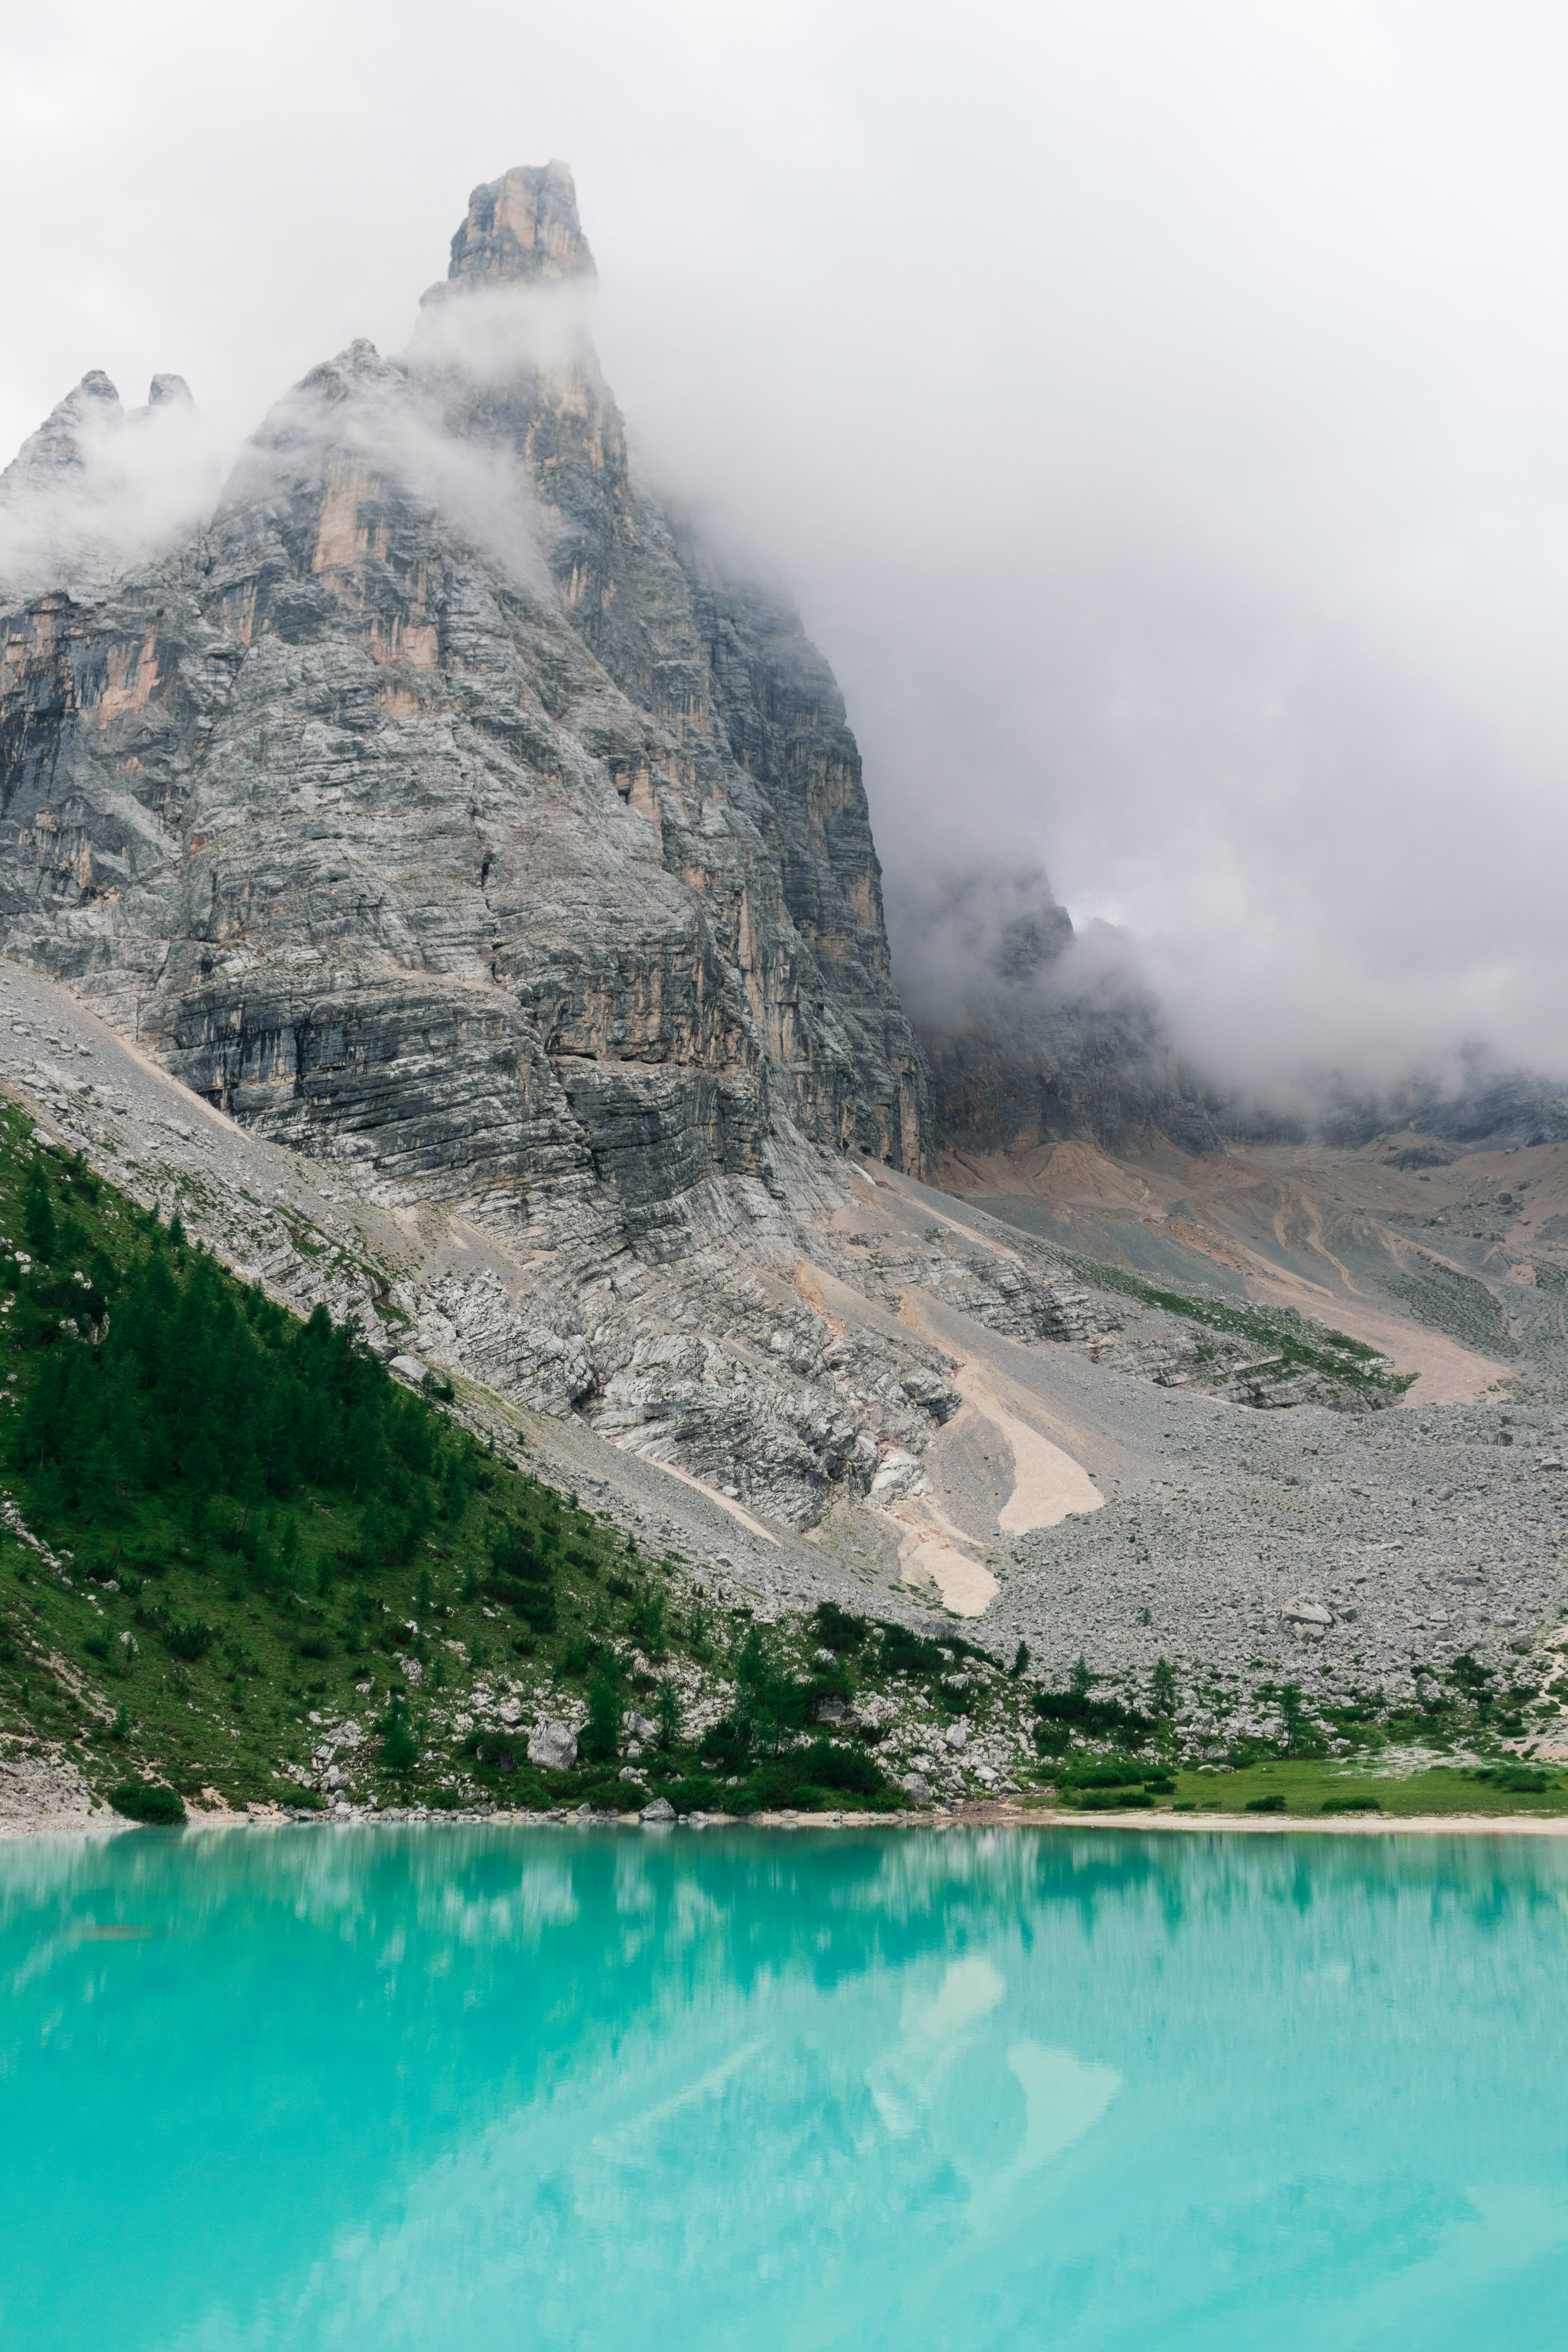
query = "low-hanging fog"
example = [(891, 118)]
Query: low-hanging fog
[(1158, 412)]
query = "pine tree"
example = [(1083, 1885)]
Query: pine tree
[(667, 1714), (399, 1748), (601, 1738), (38, 1215)]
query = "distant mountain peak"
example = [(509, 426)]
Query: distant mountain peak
[(523, 230)]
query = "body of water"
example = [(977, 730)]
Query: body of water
[(447, 2090)]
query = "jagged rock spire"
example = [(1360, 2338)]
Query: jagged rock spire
[(90, 408), (523, 230)]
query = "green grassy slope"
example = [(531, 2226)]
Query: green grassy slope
[(252, 1531)]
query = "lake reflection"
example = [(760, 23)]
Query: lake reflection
[(468, 2088)]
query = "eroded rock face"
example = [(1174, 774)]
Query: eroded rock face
[(438, 808), (443, 810)]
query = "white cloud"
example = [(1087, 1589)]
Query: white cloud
[(1158, 411)]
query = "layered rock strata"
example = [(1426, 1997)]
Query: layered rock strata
[(444, 811)]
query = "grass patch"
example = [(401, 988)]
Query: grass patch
[(1309, 1346), (1310, 1788)]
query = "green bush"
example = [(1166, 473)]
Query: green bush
[(150, 1802), (904, 1653), (695, 1793), (1274, 1803), (613, 1795), (1094, 1719), (1351, 1805), (493, 1752), (810, 1778), (839, 1629), (192, 1639), (1516, 1780)]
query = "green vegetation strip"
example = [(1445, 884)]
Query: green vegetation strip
[(1311, 1791), (256, 1534), (1333, 1354)]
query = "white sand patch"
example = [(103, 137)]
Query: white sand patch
[(1048, 1486), (925, 1552)]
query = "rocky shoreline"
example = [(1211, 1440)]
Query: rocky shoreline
[(939, 1819)]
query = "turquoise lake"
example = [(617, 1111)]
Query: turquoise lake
[(463, 2088)]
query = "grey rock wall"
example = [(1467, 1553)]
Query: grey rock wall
[(413, 811), (442, 811)]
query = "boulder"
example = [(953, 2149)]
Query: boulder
[(661, 1810), (956, 1736), (915, 1785), (553, 1745)]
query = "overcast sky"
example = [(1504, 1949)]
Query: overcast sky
[(1159, 410)]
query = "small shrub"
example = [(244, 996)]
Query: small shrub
[(139, 1801), (314, 1645), (647, 1622), (494, 1751), (612, 1797), (190, 1640), (1351, 1805), (839, 1629), (1518, 1779), (1274, 1803)]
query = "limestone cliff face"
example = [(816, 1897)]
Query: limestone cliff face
[(441, 809), (437, 808)]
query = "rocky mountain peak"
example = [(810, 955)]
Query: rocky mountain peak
[(523, 230), (167, 390), (89, 410)]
